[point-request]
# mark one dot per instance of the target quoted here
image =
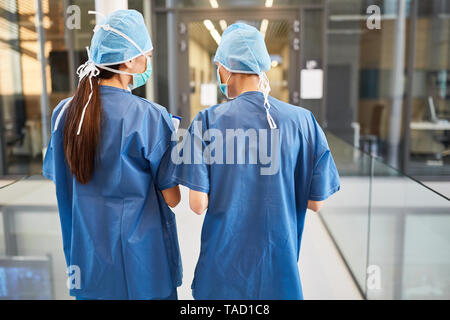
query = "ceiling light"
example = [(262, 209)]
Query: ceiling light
[(214, 3), (212, 30), (264, 24), (269, 3), (216, 36), (223, 24), (208, 24)]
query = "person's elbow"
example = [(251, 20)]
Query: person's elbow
[(173, 202), (315, 205), (198, 201), (198, 208), (172, 196)]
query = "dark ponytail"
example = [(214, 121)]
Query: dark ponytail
[(80, 150)]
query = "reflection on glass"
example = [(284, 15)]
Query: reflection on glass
[(430, 116), (409, 242), (32, 262), (346, 214), (25, 278), (391, 230)]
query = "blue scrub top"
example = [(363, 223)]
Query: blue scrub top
[(117, 229), (251, 234)]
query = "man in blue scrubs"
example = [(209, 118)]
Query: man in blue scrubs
[(256, 163)]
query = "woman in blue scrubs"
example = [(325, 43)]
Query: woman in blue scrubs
[(252, 231), (109, 157)]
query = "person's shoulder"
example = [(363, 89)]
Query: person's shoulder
[(217, 108), (60, 105), (290, 109), (206, 112), (57, 110), (300, 117), (289, 112), (143, 105)]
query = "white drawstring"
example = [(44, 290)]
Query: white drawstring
[(87, 69), (264, 86)]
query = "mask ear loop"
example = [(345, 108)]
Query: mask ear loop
[(226, 83), (265, 88), (229, 76), (228, 79)]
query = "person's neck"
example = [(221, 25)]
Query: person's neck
[(245, 83), (120, 81)]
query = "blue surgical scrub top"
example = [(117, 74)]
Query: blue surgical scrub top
[(117, 229), (252, 231)]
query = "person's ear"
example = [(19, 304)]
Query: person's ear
[(128, 65)]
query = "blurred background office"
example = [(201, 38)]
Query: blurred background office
[(375, 73), (386, 89)]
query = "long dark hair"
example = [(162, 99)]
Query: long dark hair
[(80, 150)]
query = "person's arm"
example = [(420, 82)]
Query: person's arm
[(315, 205), (198, 201), (325, 177), (161, 164), (172, 196), (194, 174)]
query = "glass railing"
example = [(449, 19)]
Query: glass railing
[(392, 232), (32, 263)]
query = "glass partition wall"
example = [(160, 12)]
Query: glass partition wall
[(382, 87), (429, 127), (387, 69), (391, 230)]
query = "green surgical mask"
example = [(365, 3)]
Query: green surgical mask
[(140, 79), (223, 86)]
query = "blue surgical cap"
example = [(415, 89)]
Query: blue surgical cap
[(243, 50), (109, 47)]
